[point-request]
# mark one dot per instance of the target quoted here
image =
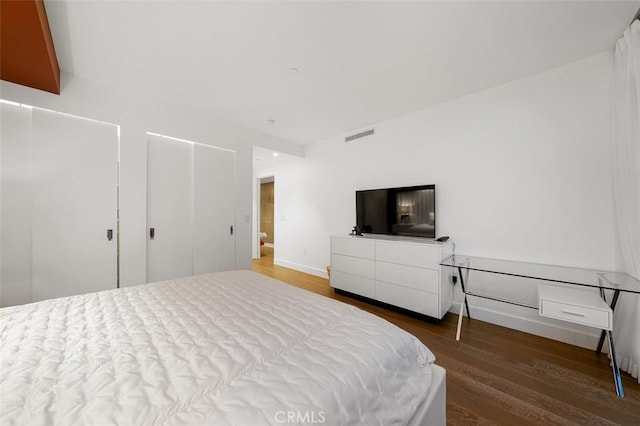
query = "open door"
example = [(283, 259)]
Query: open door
[(267, 209)]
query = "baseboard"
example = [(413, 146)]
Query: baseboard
[(302, 268), (538, 327)]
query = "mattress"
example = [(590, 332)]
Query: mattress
[(225, 348)]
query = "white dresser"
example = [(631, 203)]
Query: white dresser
[(400, 271)]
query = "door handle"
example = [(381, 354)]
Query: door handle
[(231, 230), (577, 314), (109, 234), (152, 233)]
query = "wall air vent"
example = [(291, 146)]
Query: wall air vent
[(359, 135)]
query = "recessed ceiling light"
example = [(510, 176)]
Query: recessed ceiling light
[(275, 154), (271, 121)]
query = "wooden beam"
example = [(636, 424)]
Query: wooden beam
[(27, 54)]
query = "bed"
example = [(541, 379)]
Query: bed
[(232, 347)]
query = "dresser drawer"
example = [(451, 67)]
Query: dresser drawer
[(353, 265), (573, 305), (356, 247), (423, 256), (353, 284), (408, 298), (408, 276)]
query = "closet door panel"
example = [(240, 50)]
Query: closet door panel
[(214, 212), (74, 169), (169, 208), (15, 205)]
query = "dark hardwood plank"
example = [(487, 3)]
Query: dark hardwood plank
[(501, 376), (457, 415)]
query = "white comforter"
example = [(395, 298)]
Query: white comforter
[(227, 348)]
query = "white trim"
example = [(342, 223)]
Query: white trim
[(190, 142), (302, 268), (255, 205), (4, 101)]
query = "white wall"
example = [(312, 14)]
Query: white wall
[(521, 170), (135, 117)]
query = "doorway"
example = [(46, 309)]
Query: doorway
[(267, 228)]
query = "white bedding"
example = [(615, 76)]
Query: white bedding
[(227, 348)]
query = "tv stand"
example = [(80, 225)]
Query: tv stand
[(396, 270)]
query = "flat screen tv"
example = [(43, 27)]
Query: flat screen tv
[(409, 211)]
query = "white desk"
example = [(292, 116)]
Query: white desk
[(561, 291)]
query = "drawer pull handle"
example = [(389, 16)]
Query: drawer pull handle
[(577, 314)]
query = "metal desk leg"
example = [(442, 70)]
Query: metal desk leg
[(612, 350), (464, 300), (614, 366), (614, 301), (463, 304), (464, 292)]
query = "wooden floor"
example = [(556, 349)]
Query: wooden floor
[(496, 375)]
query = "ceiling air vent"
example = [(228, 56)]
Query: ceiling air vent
[(359, 135)]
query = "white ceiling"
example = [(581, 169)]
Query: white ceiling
[(360, 62), (265, 161)]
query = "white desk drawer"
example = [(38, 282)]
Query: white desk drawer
[(577, 314), (575, 305), (353, 265), (408, 276)]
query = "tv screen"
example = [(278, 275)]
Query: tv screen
[(409, 211)]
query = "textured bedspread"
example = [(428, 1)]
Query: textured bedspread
[(227, 348)]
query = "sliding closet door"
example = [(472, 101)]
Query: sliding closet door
[(15, 205), (169, 208), (214, 213), (74, 170)]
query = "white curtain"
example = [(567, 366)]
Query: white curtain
[(626, 191)]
